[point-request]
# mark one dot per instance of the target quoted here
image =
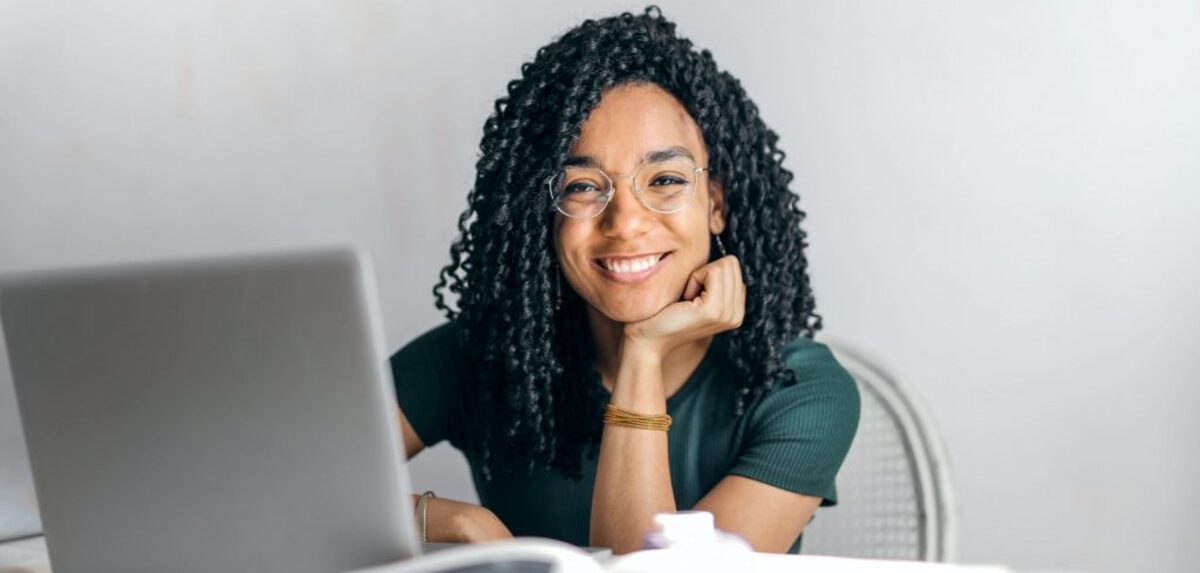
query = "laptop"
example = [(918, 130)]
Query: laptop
[(210, 415), (18, 504), (224, 414)]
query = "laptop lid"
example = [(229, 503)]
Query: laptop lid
[(210, 415), (18, 504)]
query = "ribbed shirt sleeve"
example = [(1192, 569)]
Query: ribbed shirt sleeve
[(427, 375), (798, 436)]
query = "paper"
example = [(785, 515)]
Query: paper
[(25, 556)]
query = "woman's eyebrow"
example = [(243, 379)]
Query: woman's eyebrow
[(651, 157), (581, 161), (668, 154)]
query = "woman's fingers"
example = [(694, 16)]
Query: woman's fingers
[(731, 283), (714, 301), (695, 283), (715, 291), (733, 300), (739, 304), (721, 292)]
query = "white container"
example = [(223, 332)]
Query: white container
[(685, 541)]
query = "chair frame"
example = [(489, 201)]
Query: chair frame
[(926, 452)]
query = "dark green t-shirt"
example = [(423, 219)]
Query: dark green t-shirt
[(794, 437)]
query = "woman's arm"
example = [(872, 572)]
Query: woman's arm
[(448, 520), (633, 478), (768, 517), (412, 442), (452, 521)]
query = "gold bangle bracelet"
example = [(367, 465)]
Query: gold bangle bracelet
[(622, 417), (423, 512)]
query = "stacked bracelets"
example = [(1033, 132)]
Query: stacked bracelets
[(620, 417)]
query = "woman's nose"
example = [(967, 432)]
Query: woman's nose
[(625, 216)]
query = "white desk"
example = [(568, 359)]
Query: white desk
[(29, 556), (24, 556)]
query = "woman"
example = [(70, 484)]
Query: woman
[(631, 251)]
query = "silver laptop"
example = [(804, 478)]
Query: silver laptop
[(212, 415), (18, 504)]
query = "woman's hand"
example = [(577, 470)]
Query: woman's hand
[(457, 522), (714, 301)]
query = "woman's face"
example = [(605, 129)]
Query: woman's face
[(630, 122)]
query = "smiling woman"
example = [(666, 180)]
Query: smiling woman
[(634, 323)]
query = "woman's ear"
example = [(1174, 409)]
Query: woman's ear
[(716, 208)]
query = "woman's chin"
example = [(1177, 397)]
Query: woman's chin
[(631, 312)]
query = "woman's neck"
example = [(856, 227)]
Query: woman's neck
[(677, 365)]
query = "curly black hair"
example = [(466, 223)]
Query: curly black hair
[(503, 267)]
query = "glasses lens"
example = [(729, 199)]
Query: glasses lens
[(580, 192), (667, 186)]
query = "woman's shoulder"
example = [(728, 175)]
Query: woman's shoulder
[(822, 388), (813, 359), (443, 337), (429, 375), (816, 366), (799, 432), (436, 356)]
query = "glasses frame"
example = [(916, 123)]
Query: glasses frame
[(612, 189)]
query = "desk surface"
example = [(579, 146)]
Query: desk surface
[(29, 556), (24, 556)]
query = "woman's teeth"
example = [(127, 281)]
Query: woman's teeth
[(630, 265)]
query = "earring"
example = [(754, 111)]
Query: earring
[(720, 245)]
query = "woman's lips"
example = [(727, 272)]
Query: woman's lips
[(629, 277)]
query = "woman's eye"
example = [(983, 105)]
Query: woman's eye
[(667, 180), (579, 188)]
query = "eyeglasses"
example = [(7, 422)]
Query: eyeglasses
[(662, 187)]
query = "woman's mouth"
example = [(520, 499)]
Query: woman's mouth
[(629, 269)]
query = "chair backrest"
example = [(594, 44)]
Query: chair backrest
[(894, 494)]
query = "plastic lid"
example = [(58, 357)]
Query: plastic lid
[(686, 526)]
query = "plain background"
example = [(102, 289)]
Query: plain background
[(1003, 201)]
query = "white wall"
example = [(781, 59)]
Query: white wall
[(1003, 200)]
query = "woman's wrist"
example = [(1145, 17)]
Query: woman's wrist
[(475, 524), (638, 386), (459, 522), (641, 352)]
